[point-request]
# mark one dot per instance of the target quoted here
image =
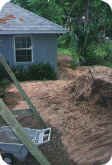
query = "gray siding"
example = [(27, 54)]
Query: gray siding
[(44, 49), (6, 48)]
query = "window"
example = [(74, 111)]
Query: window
[(23, 49)]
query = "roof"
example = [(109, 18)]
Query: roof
[(17, 20)]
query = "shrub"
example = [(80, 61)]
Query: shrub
[(35, 72), (21, 73), (108, 48), (64, 51), (42, 72), (99, 53), (75, 61), (64, 40), (3, 73)]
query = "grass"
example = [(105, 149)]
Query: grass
[(68, 52), (63, 51), (109, 64)]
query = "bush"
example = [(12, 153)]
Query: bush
[(75, 61), (21, 73), (3, 73), (64, 52), (64, 40), (99, 54), (41, 72), (35, 72)]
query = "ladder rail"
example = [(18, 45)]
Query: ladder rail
[(16, 127), (35, 113)]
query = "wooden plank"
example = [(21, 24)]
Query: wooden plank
[(22, 92), (9, 118)]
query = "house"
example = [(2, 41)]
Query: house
[(26, 38)]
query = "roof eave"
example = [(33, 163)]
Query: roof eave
[(7, 32)]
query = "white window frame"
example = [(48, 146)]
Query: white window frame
[(22, 62)]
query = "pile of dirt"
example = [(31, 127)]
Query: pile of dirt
[(79, 112), (92, 88), (67, 73)]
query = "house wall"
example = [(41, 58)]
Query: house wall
[(6, 49), (44, 49)]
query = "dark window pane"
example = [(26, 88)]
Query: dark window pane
[(28, 44), (23, 42), (20, 42), (20, 52), (23, 55), (28, 52)]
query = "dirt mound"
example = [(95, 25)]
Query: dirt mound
[(88, 121), (101, 93), (67, 73), (80, 87), (90, 88), (79, 112)]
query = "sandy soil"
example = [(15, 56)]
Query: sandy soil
[(78, 107)]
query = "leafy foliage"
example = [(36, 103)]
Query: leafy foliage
[(99, 53), (3, 73), (89, 22), (35, 72)]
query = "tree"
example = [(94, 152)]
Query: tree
[(88, 21)]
